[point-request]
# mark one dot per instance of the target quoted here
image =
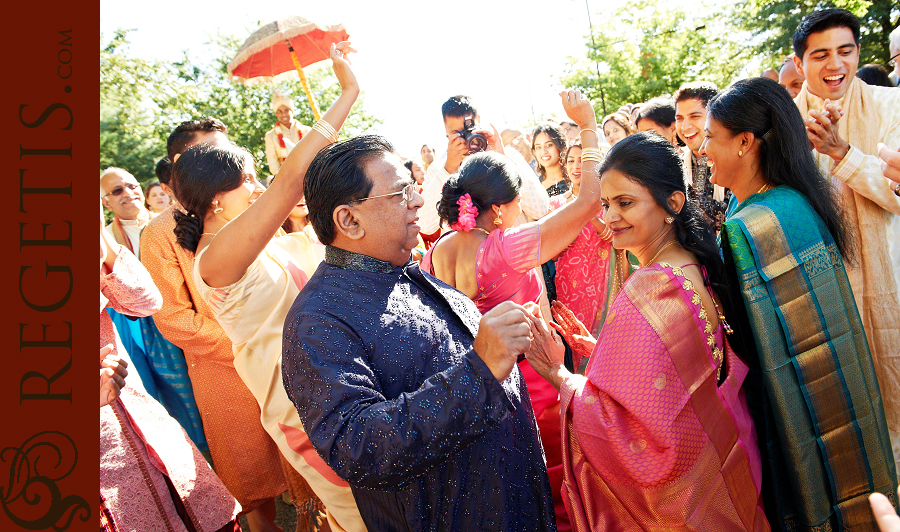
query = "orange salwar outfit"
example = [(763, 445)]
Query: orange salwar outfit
[(244, 456)]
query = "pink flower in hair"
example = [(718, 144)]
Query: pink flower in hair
[(467, 214)]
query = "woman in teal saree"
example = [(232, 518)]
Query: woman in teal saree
[(812, 388)]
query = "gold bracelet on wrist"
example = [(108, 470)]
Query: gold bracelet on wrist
[(589, 129), (591, 154), (326, 130)]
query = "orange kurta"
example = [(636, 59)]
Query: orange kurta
[(244, 456)]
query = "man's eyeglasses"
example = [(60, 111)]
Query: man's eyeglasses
[(119, 190), (893, 61), (407, 194)]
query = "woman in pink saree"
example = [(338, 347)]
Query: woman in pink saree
[(490, 261), (656, 434)]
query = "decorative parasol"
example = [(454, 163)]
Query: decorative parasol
[(275, 50)]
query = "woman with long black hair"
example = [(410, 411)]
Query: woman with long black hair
[(656, 433), (813, 385)]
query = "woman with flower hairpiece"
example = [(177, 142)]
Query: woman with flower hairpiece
[(491, 261)]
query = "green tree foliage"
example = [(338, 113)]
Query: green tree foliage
[(772, 24), (142, 101), (651, 48)]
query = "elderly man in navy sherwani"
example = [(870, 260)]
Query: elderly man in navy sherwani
[(405, 390)]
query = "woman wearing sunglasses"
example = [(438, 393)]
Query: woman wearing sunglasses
[(249, 271)]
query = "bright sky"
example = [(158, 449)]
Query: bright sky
[(508, 56)]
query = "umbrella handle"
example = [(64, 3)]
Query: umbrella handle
[(309, 96)]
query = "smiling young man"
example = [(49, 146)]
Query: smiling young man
[(845, 120), (286, 133), (690, 119)]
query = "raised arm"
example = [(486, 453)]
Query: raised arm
[(241, 240), (559, 228)]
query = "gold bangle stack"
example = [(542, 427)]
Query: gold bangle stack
[(326, 130), (606, 234), (591, 154)]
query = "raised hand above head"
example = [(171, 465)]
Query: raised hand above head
[(340, 64), (240, 240), (578, 107)]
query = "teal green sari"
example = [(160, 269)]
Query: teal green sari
[(812, 388)]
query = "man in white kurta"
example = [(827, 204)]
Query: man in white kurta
[(282, 138), (846, 119), (121, 194)]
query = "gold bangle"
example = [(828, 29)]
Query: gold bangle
[(326, 130), (591, 154), (591, 130)]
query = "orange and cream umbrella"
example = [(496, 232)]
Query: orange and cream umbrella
[(281, 47)]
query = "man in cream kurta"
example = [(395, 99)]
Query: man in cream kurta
[(846, 119), (121, 194), (282, 138)]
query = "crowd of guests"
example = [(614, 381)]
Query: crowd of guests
[(681, 316)]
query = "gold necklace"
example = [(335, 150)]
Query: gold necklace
[(485, 231), (211, 234), (763, 188), (660, 251)]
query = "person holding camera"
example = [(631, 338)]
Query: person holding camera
[(465, 137)]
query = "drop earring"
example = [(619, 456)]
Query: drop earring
[(218, 209), (497, 220)]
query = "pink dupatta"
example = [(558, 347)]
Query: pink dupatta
[(650, 442)]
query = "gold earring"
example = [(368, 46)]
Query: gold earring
[(497, 220), (218, 209), (669, 219)]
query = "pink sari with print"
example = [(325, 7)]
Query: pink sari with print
[(505, 268), (651, 440), (582, 274)]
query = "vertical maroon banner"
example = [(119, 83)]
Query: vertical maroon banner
[(50, 220)]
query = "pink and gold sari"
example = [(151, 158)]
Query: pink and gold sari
[(651, 440)]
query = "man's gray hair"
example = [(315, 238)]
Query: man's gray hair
[(111, 170)]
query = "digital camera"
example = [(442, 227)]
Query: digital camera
[(475, 141)]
